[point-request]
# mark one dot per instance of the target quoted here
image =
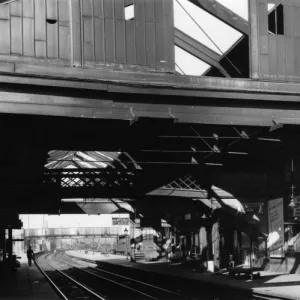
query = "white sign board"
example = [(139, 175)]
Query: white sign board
[(276, 227)]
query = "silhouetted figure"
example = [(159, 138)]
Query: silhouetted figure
[(29, 255)]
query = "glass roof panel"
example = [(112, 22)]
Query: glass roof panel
[(189, 64), (207, 30), (240, 7), (86, 159), (210, 31)]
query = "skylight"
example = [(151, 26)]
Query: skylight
[(188, 64), (207, 30), (240, 7)]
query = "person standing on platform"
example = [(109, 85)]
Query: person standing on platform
[(30, 255)]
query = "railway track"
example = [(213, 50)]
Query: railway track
[(66, 287), (158, 291), (152, 291), (104, 285)]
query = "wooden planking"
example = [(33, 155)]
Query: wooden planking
[(99, 32), (16, 8), (52, 29), (288, 20), (120, 41), (64, 29), (273, 68), (98, 9), (109, 25), (296, 21), (139, 10), (88, 30), (28, 8), (99, 39), (52, 9), (130, 42), (64, 42), (88, 39), (5, 36), (159, 11), (4, 12), (40, 20), (140, 42), (119, 13), (76, 33), (40, 49), (254, 38), (28, 33), (149, 11), (297, 56), (281, 56), (290, 66), (169, 48), (52, 41), (87, 8), (263, 28), (16, 35), (150, 44), (108, 6), (159, 45), (5, 30)]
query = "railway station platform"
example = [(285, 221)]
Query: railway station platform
[(272, 284), (27, 283)]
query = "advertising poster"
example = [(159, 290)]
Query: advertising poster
[(276, 227)]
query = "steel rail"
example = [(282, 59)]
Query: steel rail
[(134, 280), (70, 279), (49, 279), (115, 282), (254, 296)]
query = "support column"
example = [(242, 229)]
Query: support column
[(9, 246), (3, 247), (209, 252)]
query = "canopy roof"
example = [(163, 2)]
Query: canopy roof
[(89, 159)]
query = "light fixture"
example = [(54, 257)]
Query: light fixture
[(238, 153), (216, 149), (125, 230), (214, 164), (242, 134), (194, 161), (269, 140), (276, 125)]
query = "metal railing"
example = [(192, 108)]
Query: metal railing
[(73, 231)]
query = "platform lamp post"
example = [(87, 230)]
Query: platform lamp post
[(126, 235)]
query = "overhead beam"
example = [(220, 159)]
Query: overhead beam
[(118, 110), (198, 50), (149, 83), (224, 14)]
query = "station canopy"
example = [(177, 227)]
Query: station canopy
[(93, 160)]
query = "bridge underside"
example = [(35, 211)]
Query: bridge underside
[(247, 161), (237, 134)]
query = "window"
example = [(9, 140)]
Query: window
[(276, 20), (129, 12)]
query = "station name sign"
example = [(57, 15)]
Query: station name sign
[(120, 221)]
